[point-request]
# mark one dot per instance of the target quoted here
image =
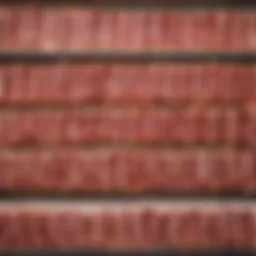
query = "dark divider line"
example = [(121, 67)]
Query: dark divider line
[(30, 144), (132, 253), (55, 57), (228, 196), (179, 4), (102, 105)]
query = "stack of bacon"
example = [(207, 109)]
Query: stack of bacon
[(113, 129)]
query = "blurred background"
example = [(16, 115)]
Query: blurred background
[(127, 127)]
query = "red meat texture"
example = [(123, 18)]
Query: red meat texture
[(44, 28), (132, 126), (127, 226), (129, 172), (119, 128), (123, 83)]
